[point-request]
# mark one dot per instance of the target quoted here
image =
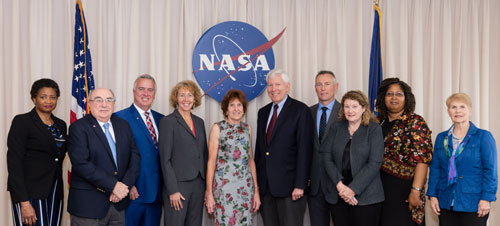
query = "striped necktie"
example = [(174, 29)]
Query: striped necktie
[(151, 129)]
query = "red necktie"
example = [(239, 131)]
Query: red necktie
[(270, 127), (151, 128)]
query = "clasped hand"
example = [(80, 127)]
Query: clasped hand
[(347, 194), (119, 192)]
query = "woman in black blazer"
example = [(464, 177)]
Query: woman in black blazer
[(353, 154), (36, 150)]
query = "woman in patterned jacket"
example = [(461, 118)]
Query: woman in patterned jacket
[(408, 152)]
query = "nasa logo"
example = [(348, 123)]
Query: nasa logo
[(233, 55)]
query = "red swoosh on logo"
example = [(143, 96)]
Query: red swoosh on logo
[(259, 49)]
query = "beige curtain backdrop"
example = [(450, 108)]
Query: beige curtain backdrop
[(438, 47)]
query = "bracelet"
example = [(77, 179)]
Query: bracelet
[(416, 189)]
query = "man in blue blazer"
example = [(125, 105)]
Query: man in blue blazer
[(145, 208), (283, 154), (105, 164)]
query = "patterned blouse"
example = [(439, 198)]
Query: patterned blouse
[(407, 143)]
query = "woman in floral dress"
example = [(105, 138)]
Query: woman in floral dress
[(232, 193)]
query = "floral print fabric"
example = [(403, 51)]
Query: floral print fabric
[(409, 142), (233, 185)]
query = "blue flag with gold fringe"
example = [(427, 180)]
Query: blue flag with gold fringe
[(376, 74)]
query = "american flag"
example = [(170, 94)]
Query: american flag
[(83, 80)]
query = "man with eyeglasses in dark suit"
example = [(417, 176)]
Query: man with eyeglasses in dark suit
[(105, 164)]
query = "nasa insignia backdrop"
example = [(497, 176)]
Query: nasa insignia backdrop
[(235, 55)]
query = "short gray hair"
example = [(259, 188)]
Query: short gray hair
[(144, 76), (275, 72), (92, 91)]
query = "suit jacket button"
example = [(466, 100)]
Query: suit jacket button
[(267, 153), (56, 159), (461, 177), (116, 173)]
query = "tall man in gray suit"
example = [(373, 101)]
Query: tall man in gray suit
[(283, 154), (325, 113)]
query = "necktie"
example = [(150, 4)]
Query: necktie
[(322, 123), (111, 142), (151, 129), (270, 127)]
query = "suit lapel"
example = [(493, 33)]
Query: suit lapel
[(183, 123), (262, 122), (341, 138), (198, 127), (43, 128), (157, 116), (472, 132), (140, 123), (314, 111), (102, 137), (120, 139)]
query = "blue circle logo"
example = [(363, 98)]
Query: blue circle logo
[(233, 55)]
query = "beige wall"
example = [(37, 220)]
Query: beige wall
[(438, 47)]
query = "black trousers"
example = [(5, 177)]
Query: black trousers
[(347, 215), (278, 211), (395, 208), (456, 218), (319, 209)]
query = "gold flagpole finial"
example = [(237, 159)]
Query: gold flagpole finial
[(376, 2)]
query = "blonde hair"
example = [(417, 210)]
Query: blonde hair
[(189, 85), (361, 98), (459, 97)]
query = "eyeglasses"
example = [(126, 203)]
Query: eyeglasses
[(101, 100), (397, 94)]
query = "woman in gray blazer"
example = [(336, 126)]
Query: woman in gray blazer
[(183, 157), (353, 154)]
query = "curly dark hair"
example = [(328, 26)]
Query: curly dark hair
[(382, 90), (230, 95), (44, 83)]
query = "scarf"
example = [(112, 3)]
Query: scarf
[(452, 168)]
